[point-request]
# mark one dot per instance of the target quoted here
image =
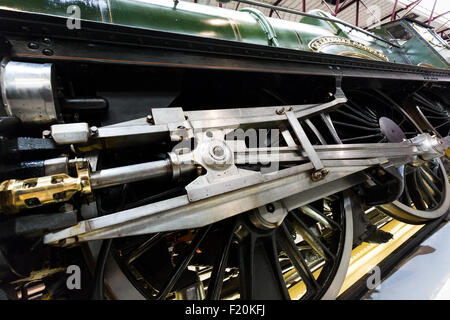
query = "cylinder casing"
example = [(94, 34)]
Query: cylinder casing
[(27, 91)]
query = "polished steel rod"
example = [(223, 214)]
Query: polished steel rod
[(132, 173)]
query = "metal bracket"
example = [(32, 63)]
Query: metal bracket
[(319, 171), (215, 155), (385, 186), (339, 93)]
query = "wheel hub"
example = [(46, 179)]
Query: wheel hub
[(269, 216), (391, 130)]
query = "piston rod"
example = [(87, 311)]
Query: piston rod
[(132, 173)]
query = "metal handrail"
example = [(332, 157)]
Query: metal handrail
[(293, 11)]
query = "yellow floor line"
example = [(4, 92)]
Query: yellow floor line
[(367, 255)]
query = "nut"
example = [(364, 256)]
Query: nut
[(94, 130)]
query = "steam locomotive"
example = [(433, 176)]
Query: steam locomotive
[(170, 150)]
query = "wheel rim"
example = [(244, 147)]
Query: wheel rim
[(261, 264), (423, 180), (426, 194)]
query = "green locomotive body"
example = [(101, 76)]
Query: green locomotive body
[(249, 25), (420, 43)]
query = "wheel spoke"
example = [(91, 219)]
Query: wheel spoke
[(446, 122), (217, 276), (176, 274), (425, 189), (407, 195), (430, 110), (354, 126), (430, 183), (259, 271), (414, 190), (287, 244), (431, 173), (425, 103), (312, 239), (363, 137), (147, 245), (369, 111), (439, 117), (347, 115), (362, 115)]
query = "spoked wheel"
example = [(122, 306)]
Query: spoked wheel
[(372, 117), (262, 254), (434, 110)]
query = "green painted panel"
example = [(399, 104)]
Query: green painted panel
[(89, 9), (417, 43), (213, 22)]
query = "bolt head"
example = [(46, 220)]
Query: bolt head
[(319, 175), (270, 207), (218, 151), (94, 130), (46, 133), (33, 45), (280, 111), (47, 52)]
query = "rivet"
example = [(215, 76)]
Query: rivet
[(33, 45), (47, 52)]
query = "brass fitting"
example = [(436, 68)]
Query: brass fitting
[(16, 195)]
